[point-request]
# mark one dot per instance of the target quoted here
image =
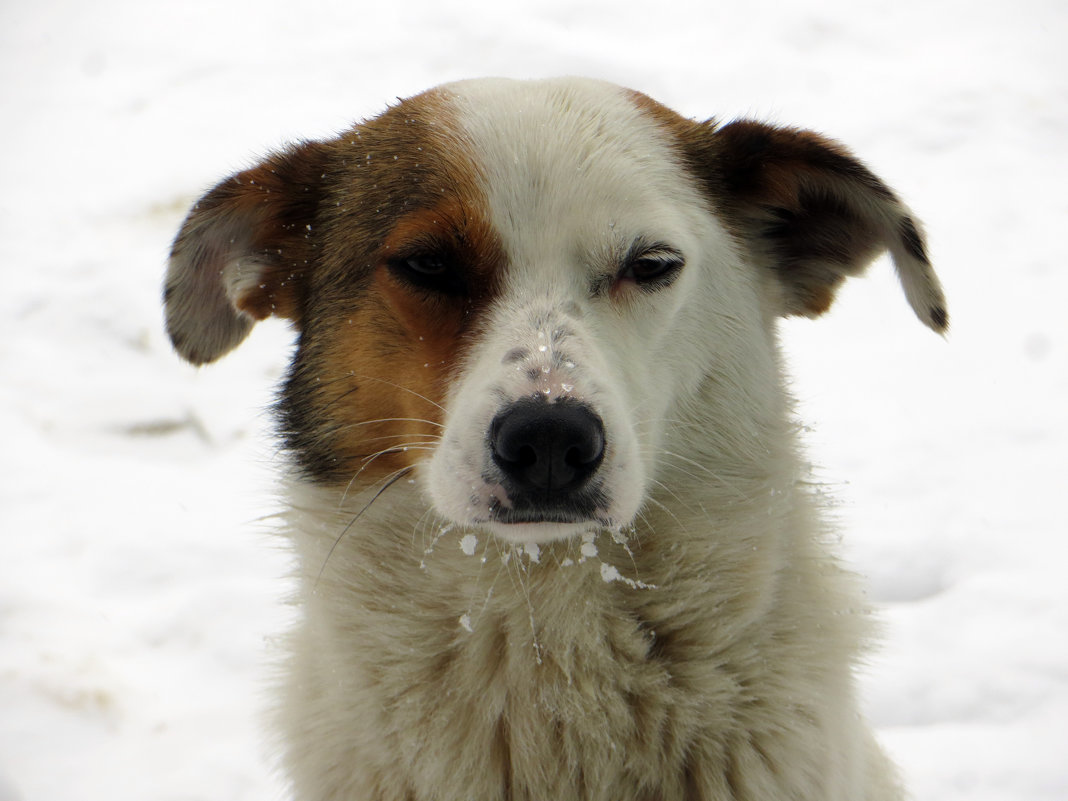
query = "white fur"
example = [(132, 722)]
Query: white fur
[(606, 182), (697, 641)]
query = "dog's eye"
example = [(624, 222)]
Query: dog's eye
[(652, 269), (426, 265), (431, 271)]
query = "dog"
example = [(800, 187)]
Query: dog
[(555, 537)]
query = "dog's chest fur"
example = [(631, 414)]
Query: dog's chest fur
[(597, 672)]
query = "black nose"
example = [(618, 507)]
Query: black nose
[(547, 450)]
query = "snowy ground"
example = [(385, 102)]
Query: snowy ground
[(139, 584)]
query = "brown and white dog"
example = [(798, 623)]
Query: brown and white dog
[(554, 536)]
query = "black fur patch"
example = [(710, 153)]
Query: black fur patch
[(940, 318), (913, 242), (749, 148), (820, 231)]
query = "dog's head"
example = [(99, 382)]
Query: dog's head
[(521, 291)]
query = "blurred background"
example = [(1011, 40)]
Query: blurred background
[(141, 585)]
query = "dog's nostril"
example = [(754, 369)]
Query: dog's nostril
[(526, 457), (547, 447)]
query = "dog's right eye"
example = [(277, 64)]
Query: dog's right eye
[(428, 266), (433, 271)]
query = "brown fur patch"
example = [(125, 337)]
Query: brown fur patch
[(252, 231), (400, 347), (364, 395)]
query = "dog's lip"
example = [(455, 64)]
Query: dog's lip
[(540, 532)]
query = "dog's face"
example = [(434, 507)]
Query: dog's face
[(554, 413), (516, 293)]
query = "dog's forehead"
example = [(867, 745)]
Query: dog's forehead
[(564, 122), (566, 161)]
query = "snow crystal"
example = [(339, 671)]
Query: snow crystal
[(468, 543), (610, 573), (430, 548)]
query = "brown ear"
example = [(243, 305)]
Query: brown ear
[(242, 253), (817, 215)]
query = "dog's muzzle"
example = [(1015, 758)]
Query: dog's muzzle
[(548, 454)]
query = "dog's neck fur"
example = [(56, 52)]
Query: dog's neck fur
[(668, 669)]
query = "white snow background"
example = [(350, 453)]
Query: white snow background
[(140, 584)]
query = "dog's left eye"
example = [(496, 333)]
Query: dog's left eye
[(652, 269)]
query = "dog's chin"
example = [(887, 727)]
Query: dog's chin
[(540, 533)]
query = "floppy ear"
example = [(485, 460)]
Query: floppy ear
[(242, 253), (817, 215)]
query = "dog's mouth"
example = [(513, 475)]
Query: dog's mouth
[(541, 531), (577, 508), (544, 518)]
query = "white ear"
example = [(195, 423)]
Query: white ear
[(242, 253)]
